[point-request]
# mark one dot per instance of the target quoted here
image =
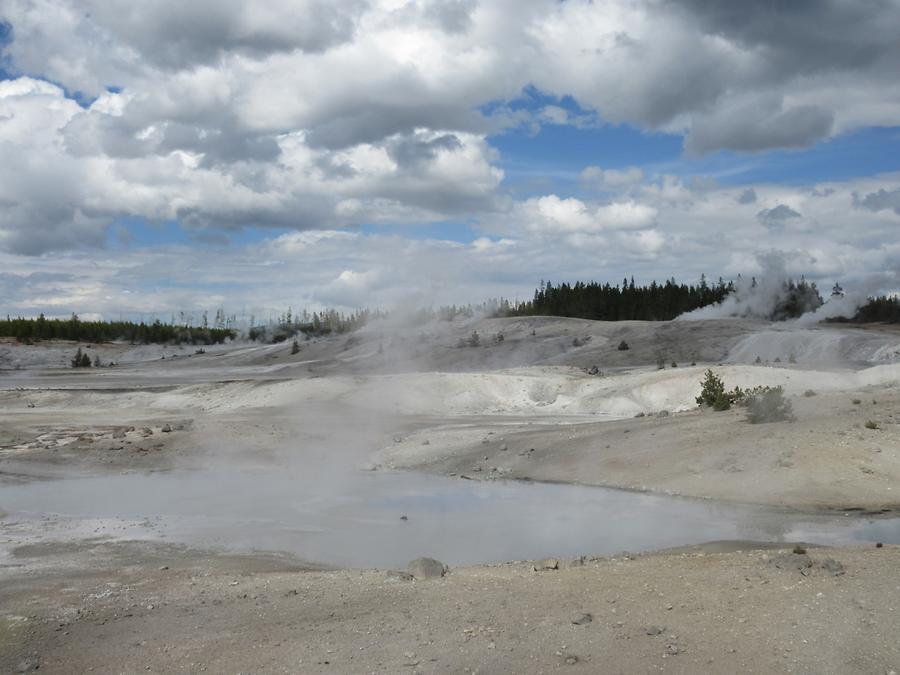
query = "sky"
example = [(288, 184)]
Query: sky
[(168, 156)]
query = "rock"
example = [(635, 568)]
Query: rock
[(403, 518), (399, 575), (640, 414), (833, 567), (672, 650), (791, 561), (654, 630), (147, 431), (662, 413), (504, 447), (546, 564), (570, 660), (582, 619), (426, 568), (118, 433), (166, 429)]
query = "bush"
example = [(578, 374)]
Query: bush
[(767, 404), (713, 394), (472, 341), (623, 346), (871, 424), (81, 359), (295, 347)]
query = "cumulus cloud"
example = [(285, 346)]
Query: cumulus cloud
[(552, 214), (317, 115)]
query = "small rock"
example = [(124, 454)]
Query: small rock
[(640, 414), (546, 564), (662, 413), (833, 567), (399, 575), (504, 448), (118, 433), (166, 429), (570, 660), (426, 568), (672, 650), (582, 619), (163, 568), (791, 561), (147, 431), (655, 630)]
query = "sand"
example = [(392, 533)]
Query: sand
[(525, 407)]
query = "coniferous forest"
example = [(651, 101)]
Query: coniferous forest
[(604, 302), (73, 328), (881, 309)]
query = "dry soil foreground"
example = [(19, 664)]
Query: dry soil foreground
[(165, 610)]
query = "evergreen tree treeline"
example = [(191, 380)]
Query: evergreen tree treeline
[(881, 309), (604, 302), (74, 328)]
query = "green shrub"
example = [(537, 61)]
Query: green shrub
[(767, 404), (713, 394)]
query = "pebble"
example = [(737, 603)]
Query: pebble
[(583, 619)]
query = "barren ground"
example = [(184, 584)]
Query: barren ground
[(524, 407)]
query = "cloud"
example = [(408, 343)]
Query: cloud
[(748, 196), (505, 257), (757, 125), (879, 201), (223, 115), (777, 216), (612, 178), (552, 214)]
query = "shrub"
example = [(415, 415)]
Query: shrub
[(81, 359), (713, 394), (674, 365), (295, 347), (871, 424), (809, 393), (767, 404), (623, 346), (856, 401)]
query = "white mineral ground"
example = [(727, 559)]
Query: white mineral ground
[(88, 590)]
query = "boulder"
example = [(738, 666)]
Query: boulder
[(426, 568)]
